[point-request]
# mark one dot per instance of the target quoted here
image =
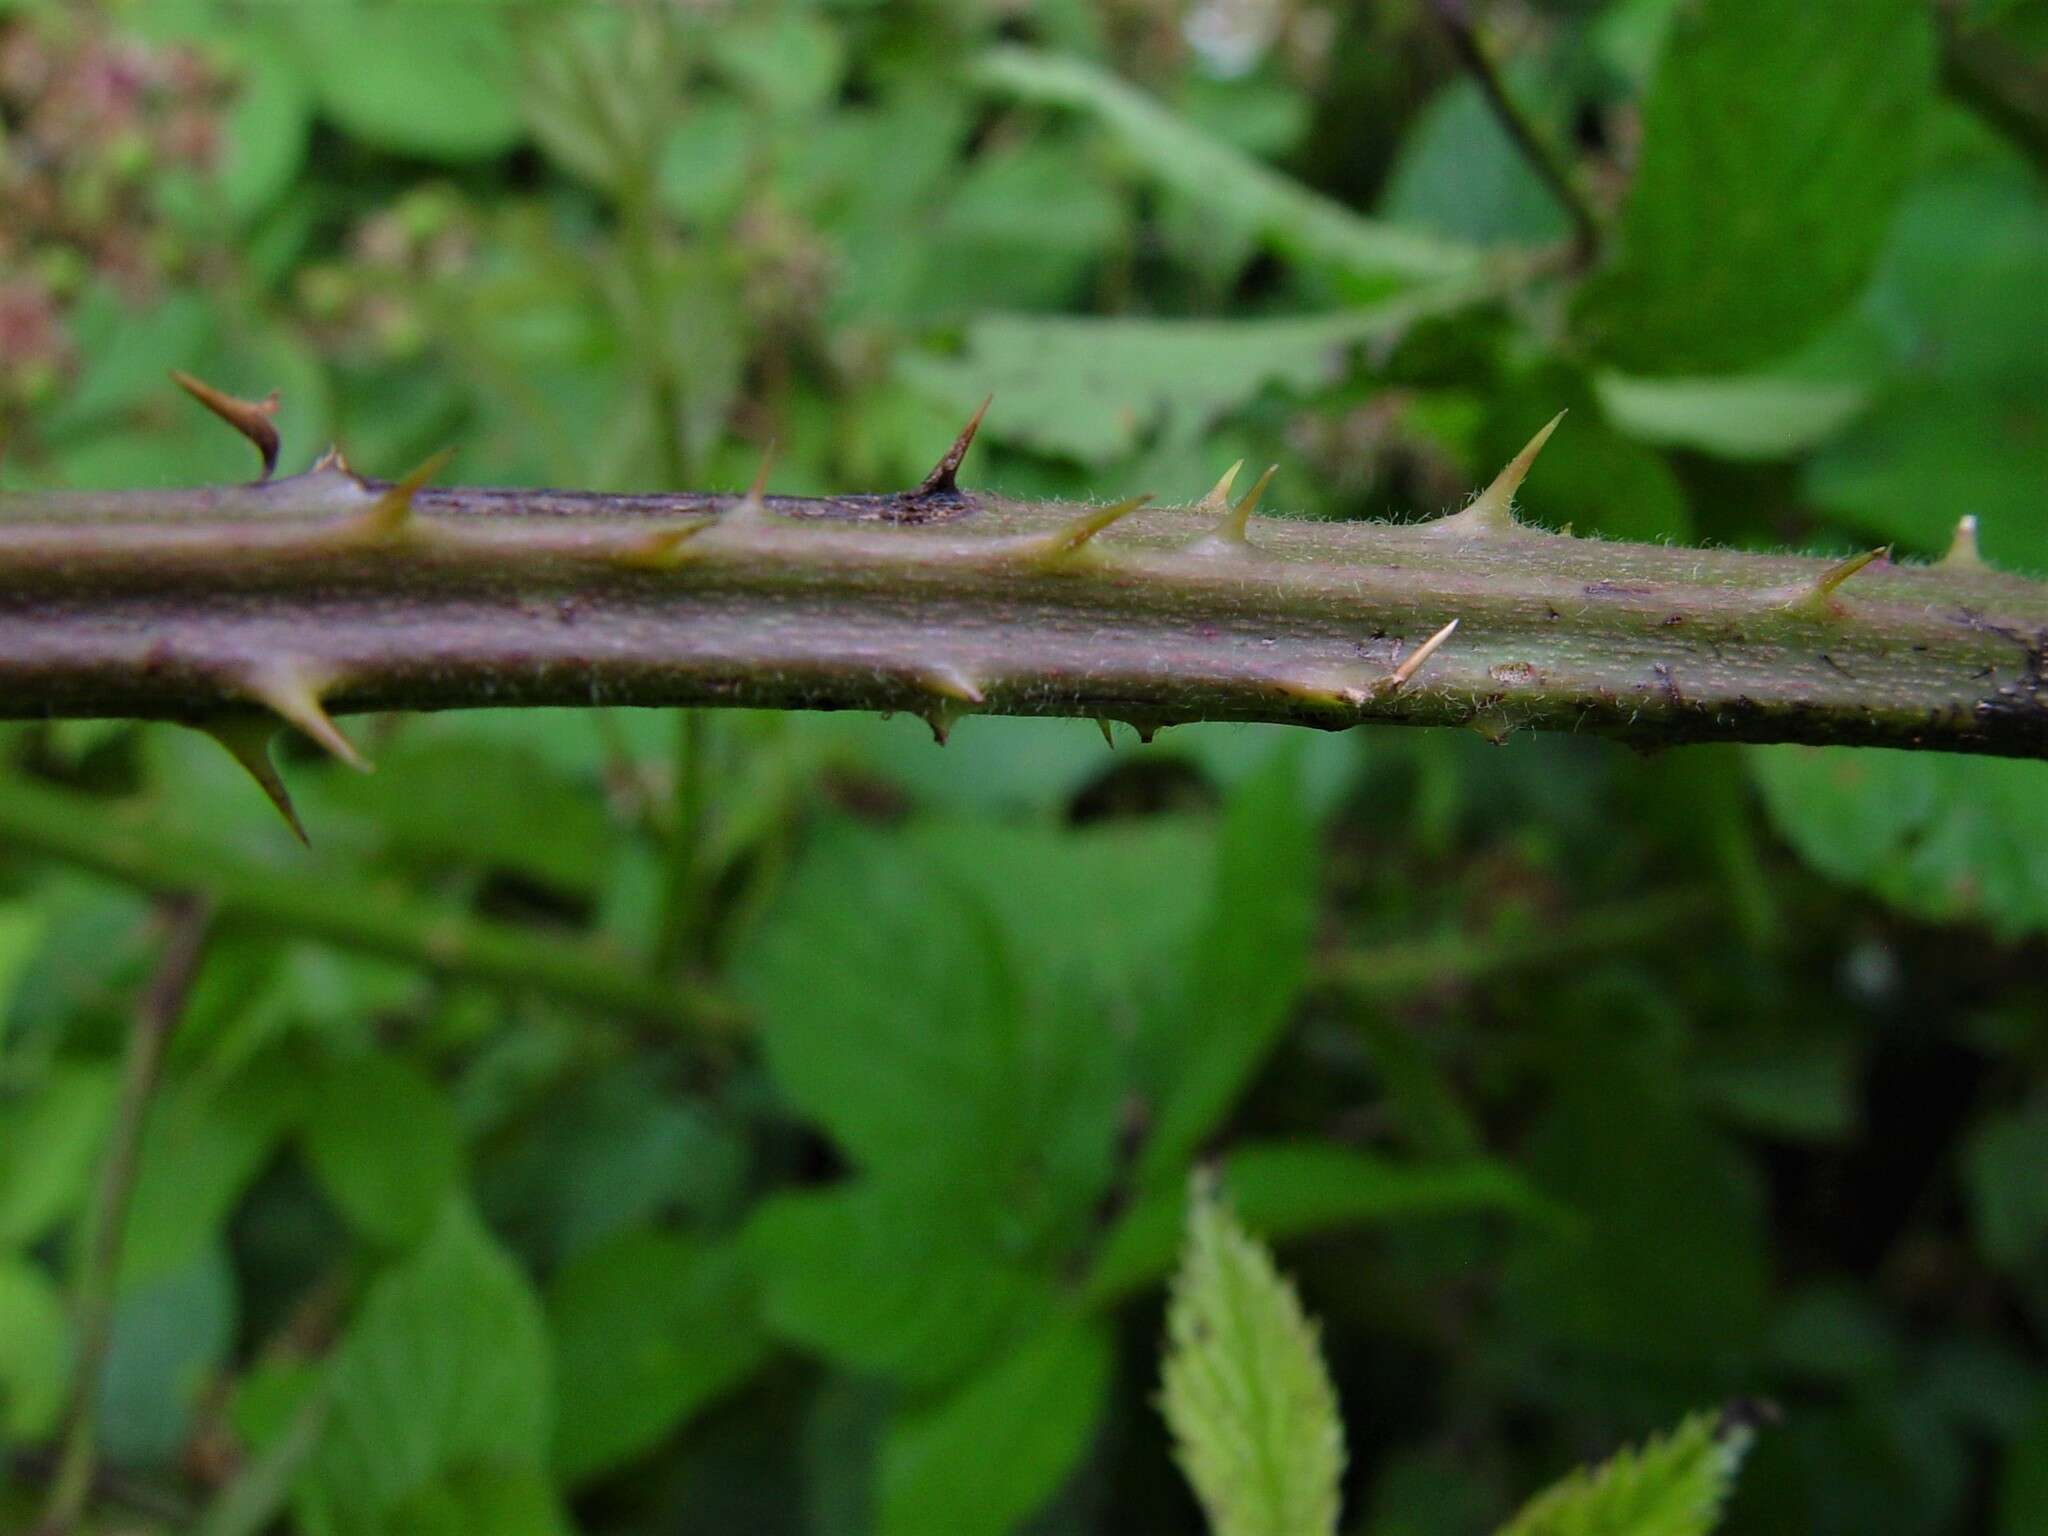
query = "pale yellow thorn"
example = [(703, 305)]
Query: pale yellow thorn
[(1062, 542), (1398, 678), (392, 510), (1962, 549), (1218, 499), (1493, 508), (294, 696), (246, 738), (1818, 594), (1233, 525), (664, 548), (952, 683), (752, 507)]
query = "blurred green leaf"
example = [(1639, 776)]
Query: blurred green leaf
[(170, 1337), (1201, 1042), (1461, 176), (908, 1281), (1293, 219), (1952, 839), (414, 76), (648, 1329), (1674, 1485), (1245, 1390), (1770, 168), (50, 1139), (382, 1140), (2005, 1167), (980, 1461), (444, 1375), (2023, 1499), (1283, 1190), (34, 1350), (1741, 416), (1096, 389), (517, 1501)]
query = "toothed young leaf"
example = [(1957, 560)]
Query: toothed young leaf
[(1244, 1390), (1675, 1485)]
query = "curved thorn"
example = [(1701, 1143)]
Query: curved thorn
[(1398, 678), (393, 508), (1064, 542), (942, 479), (246, 738), (1492, 509), (291, 694), (251, 418), (1962, 549), (1217, 501), (661, 550), (1102, 723)]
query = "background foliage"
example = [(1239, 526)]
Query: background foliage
[(1579, 1089)]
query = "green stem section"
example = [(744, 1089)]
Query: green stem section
[(108, 838), (325, 589), (163, 1001)]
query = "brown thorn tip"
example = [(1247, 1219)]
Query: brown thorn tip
[(246, 738), (1101, 724), (1218, 499), (1399, 677), (1962, 549), (332, 459), (1066, 541), (251, 418), (941, 481), (296, 699), (394, 506), (1825, 583)]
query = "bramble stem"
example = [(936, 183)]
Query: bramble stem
[(298, 593)]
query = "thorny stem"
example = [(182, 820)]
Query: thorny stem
[(290, 599), (1534, 143), (163, 1000), (111, 840)]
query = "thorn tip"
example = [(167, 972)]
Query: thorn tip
[(251, 418), (943, 479)]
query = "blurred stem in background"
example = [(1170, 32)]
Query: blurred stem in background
[(189, 920)]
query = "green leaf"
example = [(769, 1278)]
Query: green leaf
[(50, 1139), (169, 1340), (1951, 839), (383, 1142), (1674, 1486), (1245, 1390), (1281, 1190), (2005, 1168), (2023, 1498), (1244, 973), (905, 1281), (982, 1460), (1461, 176), (1739, 416), (1230, 184), (1772, 160), (202, 1146), (648, 1329), (34, 1351), (1095, 389), (500, 1501), (445, 1372), (416, 77)]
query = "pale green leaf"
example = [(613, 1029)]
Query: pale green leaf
[(1245, 1390), (1230, 184), (34, 1350), (1738, 416), (1673, 1486), (978, 1462), (50, 1139), (414, 76)]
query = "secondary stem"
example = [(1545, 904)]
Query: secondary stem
[(163, 1000)]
